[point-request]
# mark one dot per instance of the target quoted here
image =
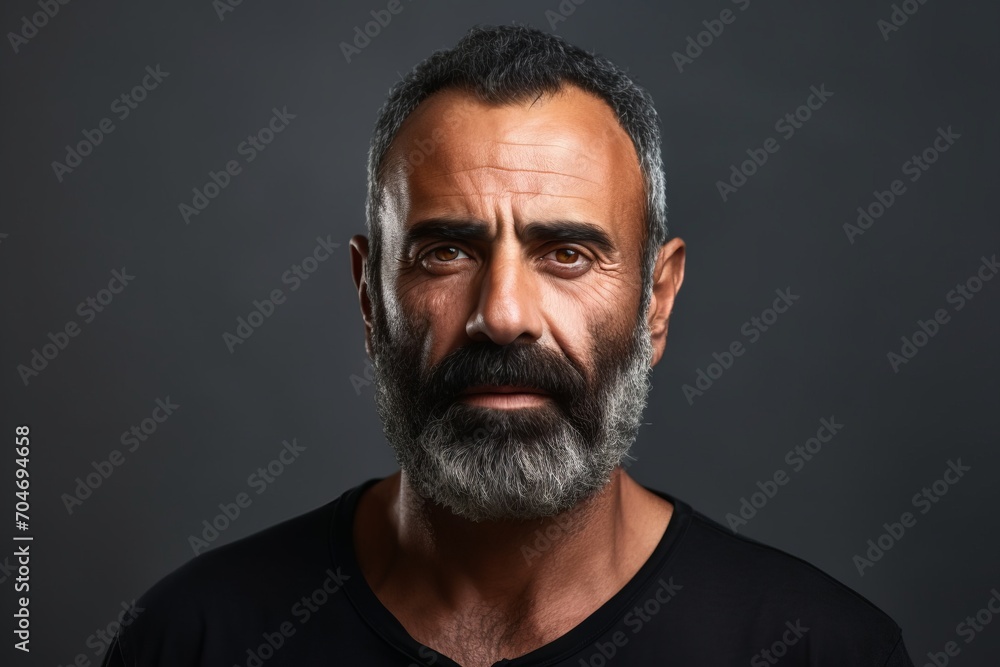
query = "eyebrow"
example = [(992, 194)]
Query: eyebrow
[(443, 229), (478, 231), (569, 230)]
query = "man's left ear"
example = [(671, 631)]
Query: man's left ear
[(668, 274)]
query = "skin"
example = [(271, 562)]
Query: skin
[(467, 590)]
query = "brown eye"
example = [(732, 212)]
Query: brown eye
[(445, 253), (566, 255)]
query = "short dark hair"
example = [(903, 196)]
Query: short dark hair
[(508, 64)]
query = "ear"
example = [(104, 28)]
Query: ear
[(668, 274), (359, 262)]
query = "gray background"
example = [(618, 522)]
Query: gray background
[(162, 336)]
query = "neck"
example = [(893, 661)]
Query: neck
[(505, 565)]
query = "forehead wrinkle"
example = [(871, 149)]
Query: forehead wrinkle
[(504, 152), (586, 147), (511, 169), (511, 192), (579, 153)]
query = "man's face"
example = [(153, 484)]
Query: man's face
[(510, 373)]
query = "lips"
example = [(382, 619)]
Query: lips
[(502, 389), (504, 397)]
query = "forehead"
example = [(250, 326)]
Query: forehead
[(558, 156)]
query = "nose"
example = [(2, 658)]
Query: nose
[(508, 308)]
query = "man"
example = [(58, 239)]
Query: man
[(515, 293)]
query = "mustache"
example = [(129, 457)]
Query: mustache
[(519, 364)]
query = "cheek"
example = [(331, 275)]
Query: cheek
[(585, 318), (438, 315), (605, 296)]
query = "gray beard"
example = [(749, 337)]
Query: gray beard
[(493, 464)]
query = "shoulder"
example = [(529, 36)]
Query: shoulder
[(220, 593), (765, 592), (769, 573), (283, 549)]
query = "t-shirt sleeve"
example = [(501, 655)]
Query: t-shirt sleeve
[(114, 657), (169, 628), (899, 657)]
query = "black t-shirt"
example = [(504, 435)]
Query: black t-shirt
[(294, 595)]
